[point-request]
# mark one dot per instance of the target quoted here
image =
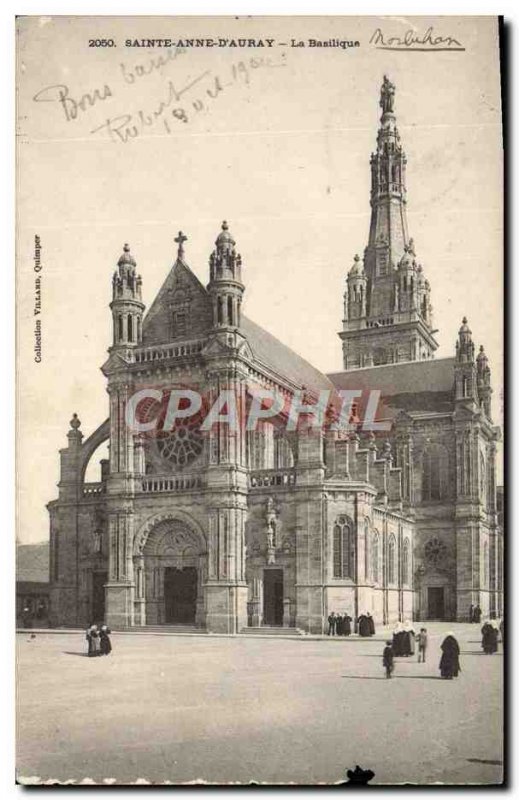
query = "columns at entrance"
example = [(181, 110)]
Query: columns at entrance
[(120, 587), (225, 589)]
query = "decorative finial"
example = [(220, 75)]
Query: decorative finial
[(126, 257), (464, 320), (225, 225), (75, 422), (180, 239)]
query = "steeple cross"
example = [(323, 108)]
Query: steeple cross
[(180, 239)]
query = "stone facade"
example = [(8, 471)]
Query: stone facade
[(225, 528)]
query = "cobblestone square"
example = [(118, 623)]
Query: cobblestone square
[(276, 710)]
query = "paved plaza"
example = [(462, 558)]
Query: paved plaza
[(222, 709)]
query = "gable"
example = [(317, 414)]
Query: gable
[(180, 311)]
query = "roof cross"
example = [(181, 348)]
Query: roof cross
[(180, 239)]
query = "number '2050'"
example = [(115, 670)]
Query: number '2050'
[(101, 43)]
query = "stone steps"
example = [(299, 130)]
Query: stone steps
[(271, 630), (167, 629)]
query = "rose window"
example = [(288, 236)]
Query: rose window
[(435, 551), (183, 444)]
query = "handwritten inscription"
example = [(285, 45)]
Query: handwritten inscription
[(414, 41), (71, 107), (176, 106), (177, 103)]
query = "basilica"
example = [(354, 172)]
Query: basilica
[(226, 529)]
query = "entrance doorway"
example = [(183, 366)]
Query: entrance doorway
[(98, 596), (435, 602), (180, 590), (273, 597)]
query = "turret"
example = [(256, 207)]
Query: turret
[(356, 290), (225, 284), (127, 306), (483, 382), (465, 367)]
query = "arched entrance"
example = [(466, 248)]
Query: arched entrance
[(170, 569)]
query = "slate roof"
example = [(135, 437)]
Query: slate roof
[(414, 386), (281, 358), (32, 562)]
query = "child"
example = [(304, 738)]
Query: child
[(422, 644), (387, 659)]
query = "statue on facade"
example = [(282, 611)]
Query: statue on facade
[(387, 96), (96, 541), (271, 519)]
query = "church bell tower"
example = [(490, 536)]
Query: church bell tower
[(387, 306)]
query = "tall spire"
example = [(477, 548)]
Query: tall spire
[(388, 235), (394, 321)]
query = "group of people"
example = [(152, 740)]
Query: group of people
[(98, 639), (490, 636), (340, 625), (406, 641), (475, 614), (403, 644)]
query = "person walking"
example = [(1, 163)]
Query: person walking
[(105, 645), (450, 660), (92, 637), (489, 636), (421, 641), (388, 659)]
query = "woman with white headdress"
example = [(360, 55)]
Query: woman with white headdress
[(409, 638), (398, 640), (450, 660)]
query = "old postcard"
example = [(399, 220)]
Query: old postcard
[(260, 400)]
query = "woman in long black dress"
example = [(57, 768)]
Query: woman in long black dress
[(450, 660), (92, 637), (105, 643), (489, 634)]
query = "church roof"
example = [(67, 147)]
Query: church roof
[(181, 283), (276, 355), (414, 386)]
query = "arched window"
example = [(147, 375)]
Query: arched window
[(391, 560), (138, 329), (219, 305), (130, 328), (230, 315), (434, 472), (343, 549), (120, 326), (405, 562), (375, 544)]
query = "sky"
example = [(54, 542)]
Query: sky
[(275, 140)]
